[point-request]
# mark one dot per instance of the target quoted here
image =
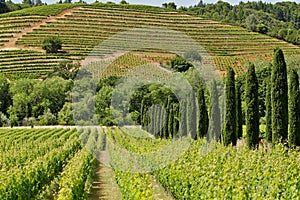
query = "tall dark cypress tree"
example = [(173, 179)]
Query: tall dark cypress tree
[(166, 131), (176, 121), (229, 129), (183, 118), (252, 109), (215, 117), (268, 111), (192, 116), (203, 120), (171, 121), (159, 123), (294, 105), (279, 97), (239, 115)]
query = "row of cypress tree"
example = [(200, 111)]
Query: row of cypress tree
[(282, 106), (190, 116)]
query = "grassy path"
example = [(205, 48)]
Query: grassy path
[(159, 191)]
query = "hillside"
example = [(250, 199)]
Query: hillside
[(83, 27)]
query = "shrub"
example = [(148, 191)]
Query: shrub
[(52, 44)]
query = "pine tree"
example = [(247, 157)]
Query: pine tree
[(215, 117), (239, 115), (279, 97), (229, 129), (192, 116), (268, 111), (203, 115), (252, 109), (294, 105)]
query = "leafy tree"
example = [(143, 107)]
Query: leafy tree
[(66, 70), (294, 110), (103, 106), (203, 120), (229, 129), (180, 64), (52, 44), (252, 111), (5, 96), (279, 96), (65, 115), (123, 2), (47, 118), (192, 55), (215, 117), (21, 99), (251, 22)]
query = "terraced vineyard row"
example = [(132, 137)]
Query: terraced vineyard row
[(86, 26), (47, 163), (28, 63)]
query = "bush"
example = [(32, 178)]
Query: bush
[(52, 44)]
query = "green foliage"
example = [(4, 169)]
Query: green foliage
[(280, 20), (252, 111), (180, 64), (65, 115), (203, 121), (215, 117), (66, 70), (47, 118), (294, 110), (239, 114), (229, 128), (268, 135), (192, 115), (279, 97), (52, 44), (225, 173)]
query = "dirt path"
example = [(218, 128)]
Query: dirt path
[(159, 191), (104, 185), (11, 44)]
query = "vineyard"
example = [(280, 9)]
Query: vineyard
[(59, 164), (83, 27)]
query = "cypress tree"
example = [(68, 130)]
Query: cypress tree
[(239, 115), (252, 109), (183, 119), (229, 128), (162, 122), (203, 115), (142, 114), (175, 120), (166, 125), (159, 125), (192, 116), (171, 121), (268, 111), (215, 118), (294, 120), (279, 96)]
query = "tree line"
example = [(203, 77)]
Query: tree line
[(200, 114), (280, 20)]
